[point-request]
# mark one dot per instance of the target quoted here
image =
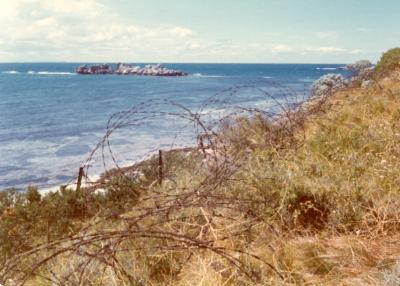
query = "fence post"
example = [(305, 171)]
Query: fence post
[(201, 143), (79, 182), (160, 167)]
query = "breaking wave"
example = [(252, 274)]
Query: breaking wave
[(39, 72), (11, 72), (306, 80), (327, 69), (205, 75), (55, 73)]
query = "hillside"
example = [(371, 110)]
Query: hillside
[(312, 198)]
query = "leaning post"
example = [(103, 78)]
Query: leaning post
[(160, 167), (79, 182), (201, 143)]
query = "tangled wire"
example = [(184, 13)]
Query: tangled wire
[(201, 214)]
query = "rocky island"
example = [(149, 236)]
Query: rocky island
[(125, 69)]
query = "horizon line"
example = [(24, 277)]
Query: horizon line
[(158, 62)]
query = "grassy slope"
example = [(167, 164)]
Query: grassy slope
[(337, 196), (333, 210), (349, 163)]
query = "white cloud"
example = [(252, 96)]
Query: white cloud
[(181, 32), (86, 30), (325, 49), (280, 48), (305, 49), (327, 35), (364, 30)]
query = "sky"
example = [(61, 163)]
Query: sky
[(213, 31)]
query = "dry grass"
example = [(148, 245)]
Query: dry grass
[(315, 203)]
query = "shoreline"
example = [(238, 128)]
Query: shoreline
[(95, 181), (53, 187)]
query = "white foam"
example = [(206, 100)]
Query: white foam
[(11, 72), (203, 75), (55, 73), (73, 186), (209, 111), (267, 77), (40, 72), (305, 80), (327, 69)]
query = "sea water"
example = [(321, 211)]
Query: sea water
[(52, 118)]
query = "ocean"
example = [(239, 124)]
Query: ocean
[(51, 118)]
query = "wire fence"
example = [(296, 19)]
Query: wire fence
[(199, 214)]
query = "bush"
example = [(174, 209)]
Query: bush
[(27, 216), (7, 199), (389, 62), (33, 195), (122, 193)]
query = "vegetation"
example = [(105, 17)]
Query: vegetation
[(310, 199), (389, 62)]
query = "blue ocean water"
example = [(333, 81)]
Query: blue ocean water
[(51, 118)]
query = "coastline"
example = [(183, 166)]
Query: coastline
[(64, 126), (95, 182), (214, 143), (289, 181), (199, 81)]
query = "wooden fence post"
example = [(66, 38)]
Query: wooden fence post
[(79, 182), (201, 143), (160, 167)]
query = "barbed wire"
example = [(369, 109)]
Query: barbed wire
[(196, 216)]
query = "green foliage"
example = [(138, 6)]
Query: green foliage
[(342, 179), (389, 62), (174, 163), (122, 192), (26, 216), (258, 132), (33, 195), (7, 199)]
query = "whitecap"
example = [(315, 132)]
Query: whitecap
[(204, 75), (55, 73), (267, 77), (327, 69), (30, 72), (11, 72), (305, 80), (209, 111)]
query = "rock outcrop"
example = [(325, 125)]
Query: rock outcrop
[(329, 83), (367, 83), (97, 69), (357, 67), (125, 69), (362, 71)]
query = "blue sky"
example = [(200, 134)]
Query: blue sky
[(260, 31)]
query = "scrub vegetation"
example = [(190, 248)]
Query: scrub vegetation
[(311, 198)]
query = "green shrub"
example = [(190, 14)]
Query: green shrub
[(389, 61), (7, 199), (33, 195), (122, 192)]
